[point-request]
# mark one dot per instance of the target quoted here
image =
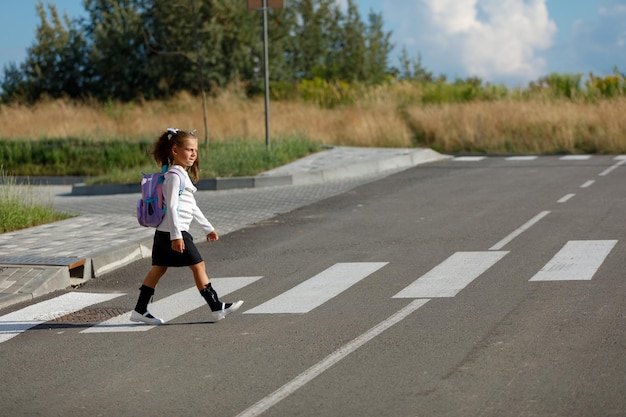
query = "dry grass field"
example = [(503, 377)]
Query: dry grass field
[(382, 118)]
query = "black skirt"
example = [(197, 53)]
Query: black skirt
[(163, 255)]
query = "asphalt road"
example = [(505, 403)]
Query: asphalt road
[(457, 288)]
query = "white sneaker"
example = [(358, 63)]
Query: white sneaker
[(225, 311), (145, 318)]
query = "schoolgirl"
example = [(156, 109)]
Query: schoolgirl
[(173, 246)]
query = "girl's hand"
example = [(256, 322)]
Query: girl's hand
[(178, 245), (212, 237)]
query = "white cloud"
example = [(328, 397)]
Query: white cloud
[(494, 39), (454, 16)]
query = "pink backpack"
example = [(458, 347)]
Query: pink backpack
[(150, 207)]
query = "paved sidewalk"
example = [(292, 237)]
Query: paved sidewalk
[(106, 236)]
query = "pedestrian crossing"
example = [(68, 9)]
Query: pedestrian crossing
[(525, 158), (576, 260)]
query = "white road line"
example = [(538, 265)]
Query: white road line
[(566, 198), (587, 184), (577, 260), (519, 231), (317, 290), (19, 321), (522, 158), (449, 277), (317, 369), (575, 157), (469, 158), (622, 161), (173, 306)]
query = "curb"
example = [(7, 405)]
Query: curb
[(208, 184), (32, 282)]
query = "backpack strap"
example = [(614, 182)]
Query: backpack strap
[(166, 169)]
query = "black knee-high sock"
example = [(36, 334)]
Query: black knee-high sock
[(145, 294), (212, 299)]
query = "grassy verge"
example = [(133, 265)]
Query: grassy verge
[(21, 208), (225, 159), (124, 161)]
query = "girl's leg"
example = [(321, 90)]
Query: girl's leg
[(141, 313), (153, 277), (199, 275), (219, 309)]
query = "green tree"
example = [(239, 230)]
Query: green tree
[(13, 84), (350, 49), (280, 24), (119, 61), (128, 49), (413, 69), (379, 47), (54, 64), (311, 37)]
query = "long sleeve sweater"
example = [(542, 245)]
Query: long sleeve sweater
[(181, 210)]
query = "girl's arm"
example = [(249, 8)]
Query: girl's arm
[(211, 233), (199, 216)]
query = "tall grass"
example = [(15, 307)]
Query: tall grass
[(555, 115), (531, 127), (22, 207)]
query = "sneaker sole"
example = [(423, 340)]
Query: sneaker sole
[(138, 318), (219, 315)]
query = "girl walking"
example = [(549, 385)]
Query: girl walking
[(173, 245)]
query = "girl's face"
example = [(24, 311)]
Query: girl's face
[(186, 154)]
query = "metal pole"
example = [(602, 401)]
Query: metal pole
[(267, 77)]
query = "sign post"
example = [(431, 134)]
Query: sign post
[(263, 5)]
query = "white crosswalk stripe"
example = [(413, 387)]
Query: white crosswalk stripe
[(173, 306), (319, 289), (575, 158), (13, 324), (478, 158), (522, 158), (452, 275), (577, 260), (469, 158)]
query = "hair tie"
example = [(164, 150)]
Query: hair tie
[(171, 131)]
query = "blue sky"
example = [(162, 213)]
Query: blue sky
[(500, 41)]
